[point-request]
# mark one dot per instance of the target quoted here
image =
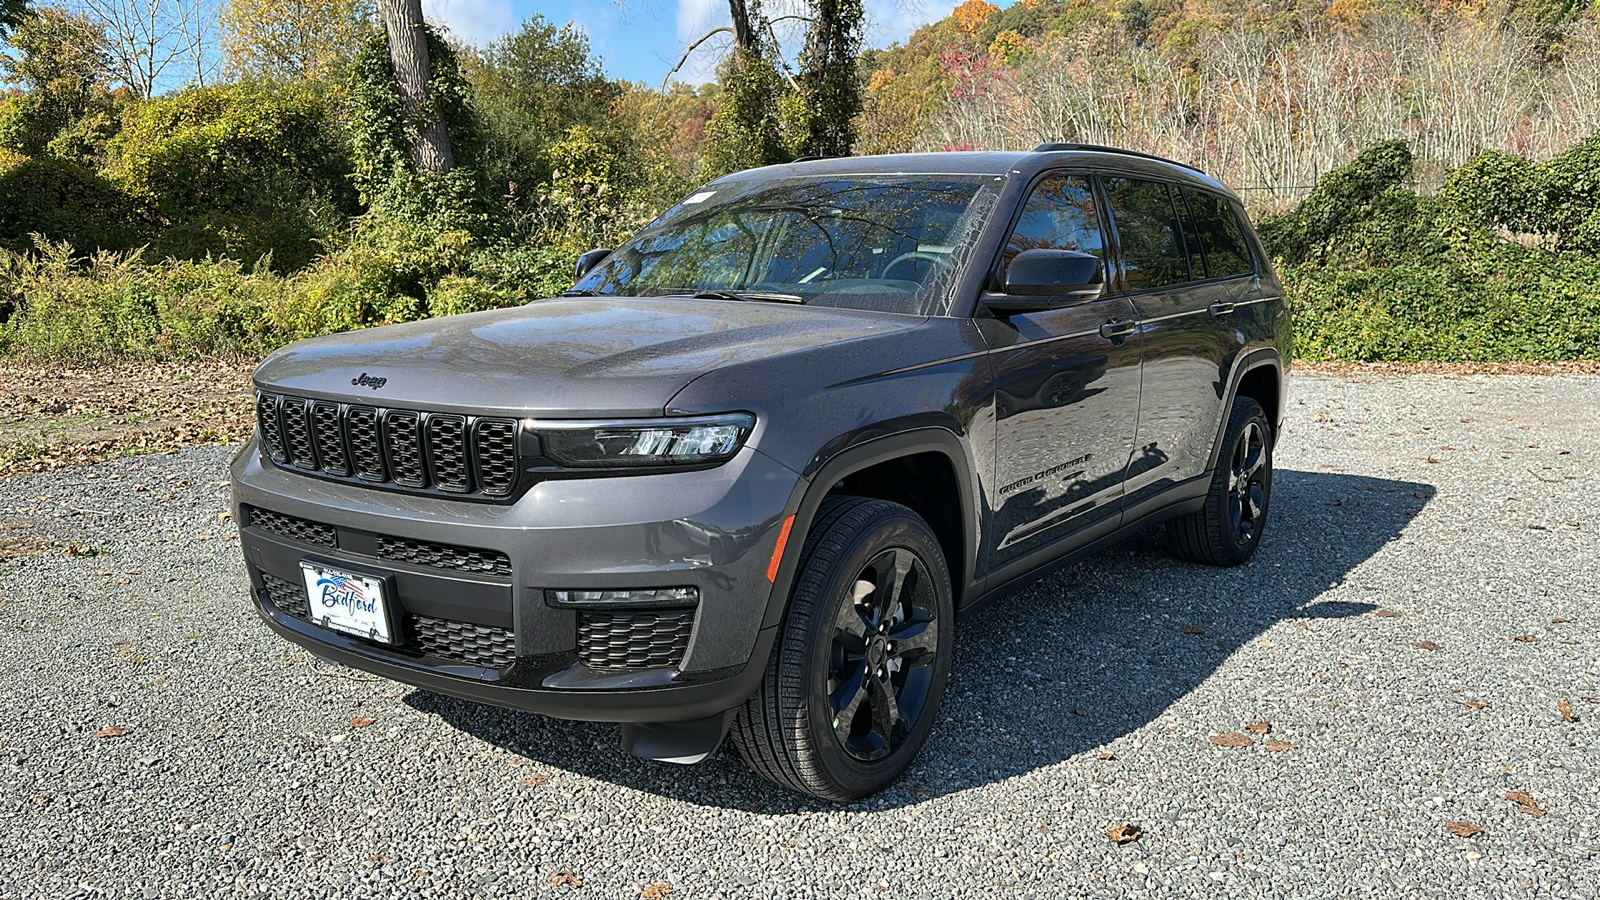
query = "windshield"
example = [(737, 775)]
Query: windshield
[(890, 243)]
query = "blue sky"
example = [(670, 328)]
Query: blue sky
[(640, 40)]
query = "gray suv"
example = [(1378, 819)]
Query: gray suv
[(743, 476)]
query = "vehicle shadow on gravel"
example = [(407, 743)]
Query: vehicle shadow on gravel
[(1060, 669)]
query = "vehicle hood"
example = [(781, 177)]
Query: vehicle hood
[(563, 357)]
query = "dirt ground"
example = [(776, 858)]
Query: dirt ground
[(54, 417)]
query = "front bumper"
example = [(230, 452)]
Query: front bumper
[(713, 530)]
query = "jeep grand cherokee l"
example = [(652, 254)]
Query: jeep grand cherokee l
[(740, 479)]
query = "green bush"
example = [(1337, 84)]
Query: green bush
[(240, 170), (1571, 193), (1516, 304), (113, 305), (61, 200)]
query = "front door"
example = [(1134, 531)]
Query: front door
[(1066, 399)]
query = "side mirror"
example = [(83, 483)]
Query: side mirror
[(589, 260), (1063, 274)]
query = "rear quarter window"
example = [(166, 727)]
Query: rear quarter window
[(1227, 254)]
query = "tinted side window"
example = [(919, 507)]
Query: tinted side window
[(1059, 215), (1221, 235), (1147, 227)]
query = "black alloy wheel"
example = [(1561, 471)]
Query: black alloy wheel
[(1227, 530), (853, 684), (1247, 483), (880, 662)]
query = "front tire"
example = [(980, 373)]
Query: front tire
[(853, 685), (1228, 529)]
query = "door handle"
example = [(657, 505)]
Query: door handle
[(1117, 330), (1221, 309)]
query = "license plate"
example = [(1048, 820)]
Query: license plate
[(347, 602)]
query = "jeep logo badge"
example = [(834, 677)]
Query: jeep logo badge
[(371, 381)]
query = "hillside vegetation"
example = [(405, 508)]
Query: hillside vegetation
[(1427, 174)]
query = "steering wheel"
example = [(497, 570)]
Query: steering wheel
[(913, 256)]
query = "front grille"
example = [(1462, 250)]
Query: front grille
[(440, 453), (443, 556), (464, 642), (496, 446), (447, 448), (295, 529), (643, 639), (297, 433), (329, 436), (289, 597), (480, 645), (271, 427)]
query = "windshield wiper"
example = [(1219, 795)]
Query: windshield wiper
[(580, 292), (771, 296)]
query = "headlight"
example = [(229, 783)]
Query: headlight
[(643, 442)]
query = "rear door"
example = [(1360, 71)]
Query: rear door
[(1066, 386), (1183, 309)]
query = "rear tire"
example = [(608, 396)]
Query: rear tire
[(853, 684), (1228, 529)]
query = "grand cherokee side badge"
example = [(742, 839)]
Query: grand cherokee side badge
[(371, 381)]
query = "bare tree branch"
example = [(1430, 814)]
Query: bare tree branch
[(726, 29)]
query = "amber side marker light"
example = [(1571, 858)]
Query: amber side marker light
[(777, 552)]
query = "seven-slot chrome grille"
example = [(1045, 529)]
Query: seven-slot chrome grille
[(469, 456)]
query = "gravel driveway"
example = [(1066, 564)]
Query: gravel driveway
[(1421, 525)]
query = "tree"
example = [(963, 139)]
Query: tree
[(292, 39), (62, 60), (151, 39), (830, 88), (409, 55), (11, 15)]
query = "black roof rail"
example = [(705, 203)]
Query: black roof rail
[(813, 158), (1049, 147)]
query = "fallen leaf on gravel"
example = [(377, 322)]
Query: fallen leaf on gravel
[(380, 857), (655, 891), (202, 537), (1231, 739), (1106, 756), (1258, 727), (1079, 711), (1044, 829), (1387, 614), (1561, 620), (1427, 645), (1525, 638), (1193, 629), (1474, 704), (536, 780), (1124, 834), (1525, 803), (111, 731), (361, 721), (134, 572), (1463, 829), (565, 879), (81, 551), (1278, 746), (1565, 707), (224, 516), (124, 581)]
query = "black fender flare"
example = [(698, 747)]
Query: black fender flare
[(809, 494), (1244, 364)]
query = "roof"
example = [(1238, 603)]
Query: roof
[(995, 162)]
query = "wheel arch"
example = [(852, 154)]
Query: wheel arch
[(1258, 375), (887, 468)]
